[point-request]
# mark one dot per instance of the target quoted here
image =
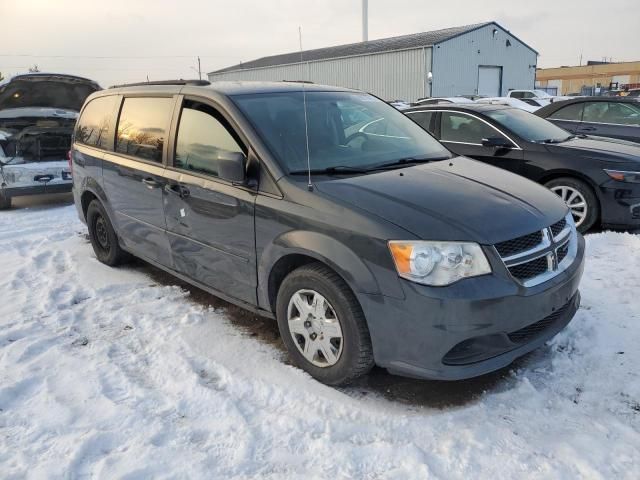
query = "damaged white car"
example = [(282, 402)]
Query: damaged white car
[(38, 112)]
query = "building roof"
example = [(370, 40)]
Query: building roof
[(415, 40)]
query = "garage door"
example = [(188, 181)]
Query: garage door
[(490, 81)]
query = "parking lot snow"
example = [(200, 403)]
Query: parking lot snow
[(105, 373)]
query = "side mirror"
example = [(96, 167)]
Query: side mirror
[(496, 142), (232, 166)]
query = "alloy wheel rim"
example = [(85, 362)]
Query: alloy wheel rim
[(315, 328), (574, 200), (101, 233)]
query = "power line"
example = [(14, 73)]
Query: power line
[(111, 57), (106, 68)]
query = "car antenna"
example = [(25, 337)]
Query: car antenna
[(306, 120)]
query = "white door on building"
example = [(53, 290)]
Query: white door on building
[(490, 81)]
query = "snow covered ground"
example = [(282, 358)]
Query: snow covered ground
[(108, 373)]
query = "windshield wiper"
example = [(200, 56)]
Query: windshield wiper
[(331, 170), (374, 168), (558, 140), (404, 162)]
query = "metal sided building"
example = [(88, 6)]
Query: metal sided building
[(481, 59)]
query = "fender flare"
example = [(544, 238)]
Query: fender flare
[(92, 186), (324, 249)]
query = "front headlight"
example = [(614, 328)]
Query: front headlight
[(438, 263), (622, 176)]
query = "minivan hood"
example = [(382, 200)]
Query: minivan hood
[(601, 148), (458, 199), (46, 90)]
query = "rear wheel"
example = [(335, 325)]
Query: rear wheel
[(103, 237), (580, 199), (322, 325)]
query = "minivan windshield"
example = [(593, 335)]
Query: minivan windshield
[(528, 126), (347, 131)]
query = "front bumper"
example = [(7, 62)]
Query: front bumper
[(620, 204), (473, 327)]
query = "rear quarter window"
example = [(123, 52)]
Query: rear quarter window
[(143, 126), (423, 119), (95, 122), (570, 112)]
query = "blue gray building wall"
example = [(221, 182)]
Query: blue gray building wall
[(456, 61), (403, 74), (400, 74)]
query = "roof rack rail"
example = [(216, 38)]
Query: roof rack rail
[(298, 81), (197, 83)]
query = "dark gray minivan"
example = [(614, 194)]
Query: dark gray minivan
[(334, 213)]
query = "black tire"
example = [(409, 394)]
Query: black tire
[(103, 237), (356, 358), (593, 206), (5, 202)]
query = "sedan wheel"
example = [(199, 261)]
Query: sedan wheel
[(574, 200), (580, 198), (315, 328)]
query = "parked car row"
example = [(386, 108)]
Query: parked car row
[(599, 116)]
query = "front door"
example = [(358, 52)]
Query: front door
[(210, 222), (463, 134), (134, 176)]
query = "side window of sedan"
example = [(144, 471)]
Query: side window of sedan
[(595, 112), (571, 112), (623, 113), (202, 137), (423, 119), (462, 128)]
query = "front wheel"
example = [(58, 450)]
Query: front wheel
[(580, 199), (322, 325)]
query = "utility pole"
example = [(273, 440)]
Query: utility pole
[(199, 70), (365, 20)]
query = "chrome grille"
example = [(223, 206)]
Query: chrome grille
[(557, 227), (563, 251), (520, 244), (527, 270), (539, 256)]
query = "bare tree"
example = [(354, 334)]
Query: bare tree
[(34, 69)]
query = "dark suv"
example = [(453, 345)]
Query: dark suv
[(368, 245)]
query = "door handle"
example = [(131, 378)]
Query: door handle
[(587, 129), (150, 183), (180, 190)]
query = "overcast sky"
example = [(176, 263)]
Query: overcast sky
[(161, 38)]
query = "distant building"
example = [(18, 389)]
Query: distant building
[(589, 79), (476, 59)]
